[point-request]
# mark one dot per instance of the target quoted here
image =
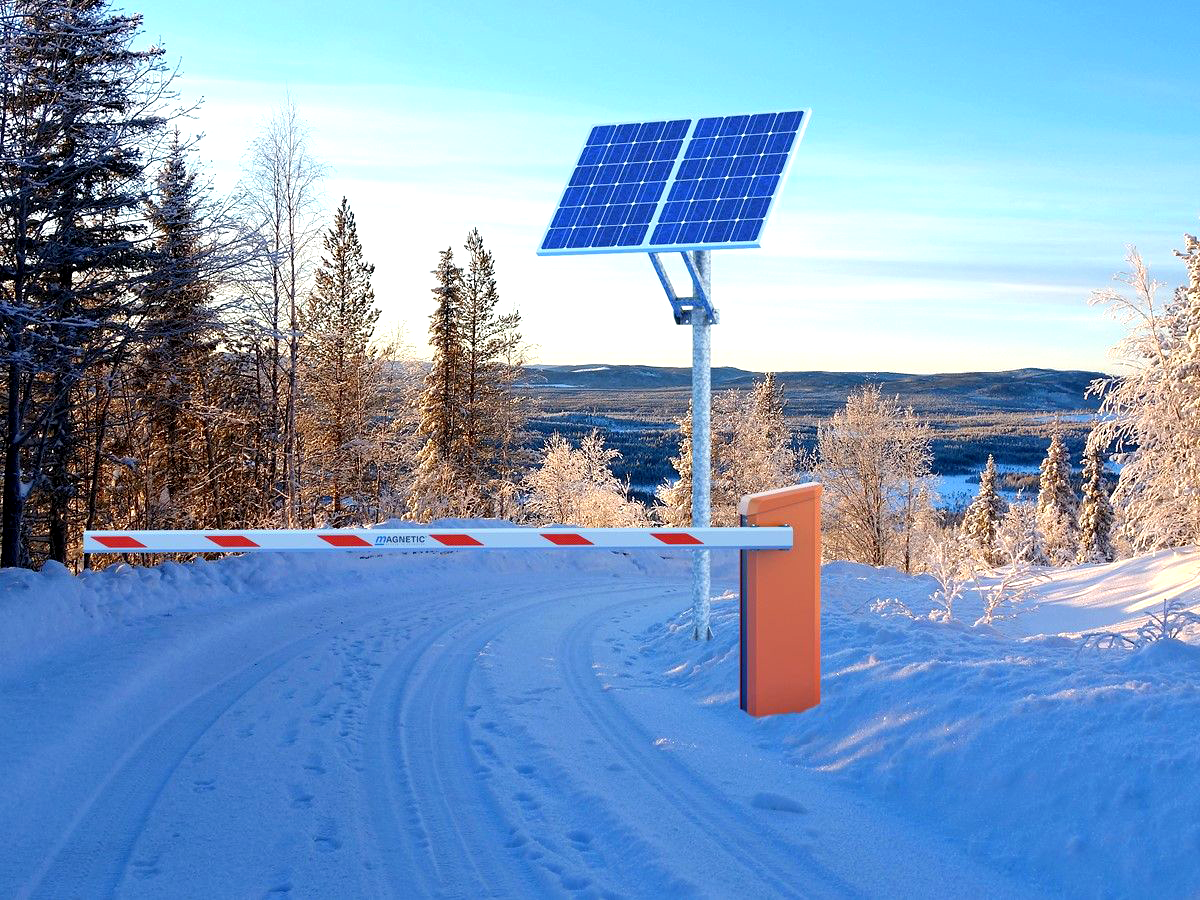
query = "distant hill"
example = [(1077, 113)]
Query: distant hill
[(820, 393)]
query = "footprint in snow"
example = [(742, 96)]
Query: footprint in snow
[(326, 839), (777, 802), (314, 764), (146, 867)]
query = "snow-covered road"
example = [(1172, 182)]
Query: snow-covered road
[(418, 727)]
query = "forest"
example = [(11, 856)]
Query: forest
[(177, 357)]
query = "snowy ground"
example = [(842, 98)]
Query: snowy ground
[(538, 724)]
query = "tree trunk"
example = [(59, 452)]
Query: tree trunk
[(14, 495)]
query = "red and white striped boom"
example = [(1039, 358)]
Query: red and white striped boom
[(242, 541)]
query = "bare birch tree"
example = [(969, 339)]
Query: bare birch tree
[(283, 193)]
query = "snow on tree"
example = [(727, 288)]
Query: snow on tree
[(675, 498), (577, 487), (168, 374), (984, 514), (340, 374), (84, 109), (1018, 537), (872, 459), (1151, 414), (916, 516), (1095, 512), (752, 447), (751, 452), (1057, 506), (394, 437)]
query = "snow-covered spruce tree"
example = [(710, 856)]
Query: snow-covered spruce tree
[(493, 361), (577, 487), (83, 110), (1095, 512), (441, 488), (872, 458), (1151, 415), (984, 514), (340, 376), (1057, 506)]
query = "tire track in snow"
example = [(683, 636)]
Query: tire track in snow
[(92, 857), (94, 853), (765, 857), (433, 773), (571, 821)]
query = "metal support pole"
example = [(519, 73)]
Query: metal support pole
[(701, 442)]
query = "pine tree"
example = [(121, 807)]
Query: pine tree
[(1057, 506), (984, 514), (440, 487), (340, 374), (167, 377), (492, 362), (1095, 512)]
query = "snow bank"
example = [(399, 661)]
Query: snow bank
[(1075, 772)]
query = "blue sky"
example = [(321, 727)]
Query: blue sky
[(971, 172)]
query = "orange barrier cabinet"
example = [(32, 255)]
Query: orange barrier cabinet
[(781, 605)]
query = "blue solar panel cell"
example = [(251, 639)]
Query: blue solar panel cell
[(623, 193), (722, 172), (787, 121), (676, 129), (780, 141), (760, 123), (600, 134), (734, 125), (651, 131)]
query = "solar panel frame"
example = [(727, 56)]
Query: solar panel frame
[(646, 245)]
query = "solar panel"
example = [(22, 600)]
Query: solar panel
[(633, 190)]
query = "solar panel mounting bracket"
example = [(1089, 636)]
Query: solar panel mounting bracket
[(684, 308)]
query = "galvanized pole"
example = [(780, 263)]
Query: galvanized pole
[(701, 443)]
